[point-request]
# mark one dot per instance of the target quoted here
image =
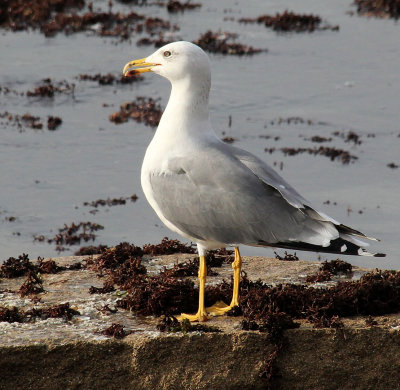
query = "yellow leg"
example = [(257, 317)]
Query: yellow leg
[(237, 267), (221, 308), (201, 314)]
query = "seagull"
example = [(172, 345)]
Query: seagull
[(218, 195)]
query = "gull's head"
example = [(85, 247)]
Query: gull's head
[(174, 61)]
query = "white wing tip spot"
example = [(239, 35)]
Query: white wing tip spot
[(363, 252)]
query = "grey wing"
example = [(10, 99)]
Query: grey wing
[(270, 177), (221, 196)]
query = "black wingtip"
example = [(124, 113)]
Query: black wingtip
[(338, 246), (379, 254)]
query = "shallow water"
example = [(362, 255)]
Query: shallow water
[(342, 81)]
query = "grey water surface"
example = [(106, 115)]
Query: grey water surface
[(346, 80)]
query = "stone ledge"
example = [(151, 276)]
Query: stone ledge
[(311, 359), (54, 354)]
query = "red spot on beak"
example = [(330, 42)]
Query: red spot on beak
[(131, 73)]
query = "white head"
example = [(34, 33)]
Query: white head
[(175, 61)]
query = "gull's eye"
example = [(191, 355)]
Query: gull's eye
[(167, 53)]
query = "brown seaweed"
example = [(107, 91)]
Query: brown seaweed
[(15, 314), (142, 110), (32, 285), (116, 330), (73, 234), (110, 79), (291, 22), (378, 8), (111, 201), (123, 254), (29, 121), (287, 257), (171, 324), (332, 153), (224, 43), (15, 267), (174, 6), (51, 17), (49, 88), (62, 310), (90, 250), (21, 266), (337, 267), (53, 122), (168, 247)]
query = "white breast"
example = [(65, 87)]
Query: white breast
[(155, 163)]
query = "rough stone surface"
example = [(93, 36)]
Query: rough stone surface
[(56, 354)]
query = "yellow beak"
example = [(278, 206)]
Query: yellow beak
[(144, 67)]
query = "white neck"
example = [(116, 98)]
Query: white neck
[(187, 109)]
